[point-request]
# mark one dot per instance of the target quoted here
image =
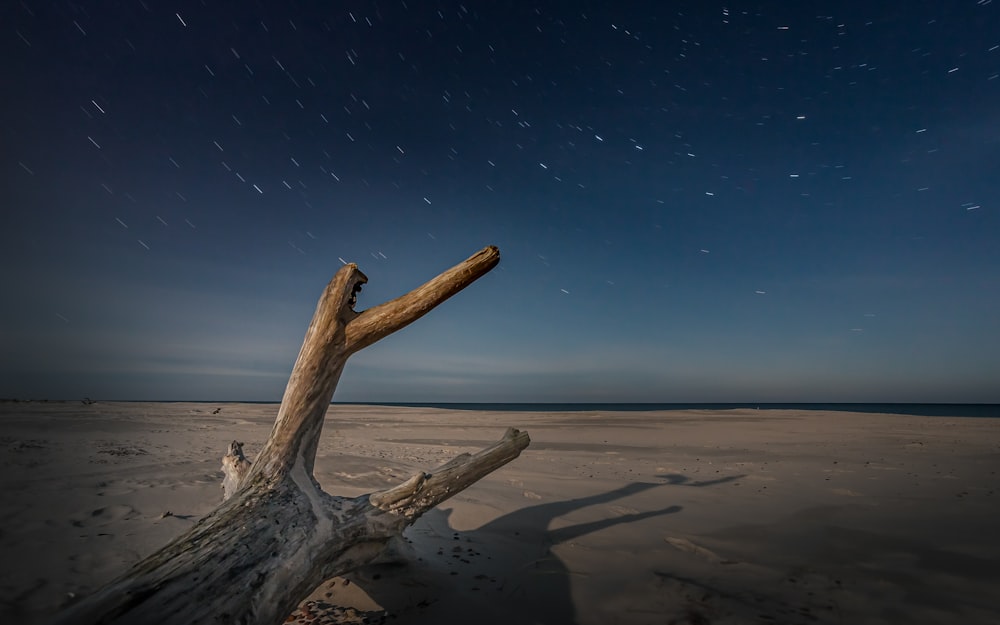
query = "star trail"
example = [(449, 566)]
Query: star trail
[(695, 201)]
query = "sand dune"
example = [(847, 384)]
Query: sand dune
[(695, 517)]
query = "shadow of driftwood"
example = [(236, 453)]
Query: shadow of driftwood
[(503, 572)]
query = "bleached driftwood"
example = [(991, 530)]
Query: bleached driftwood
[(235, 466), (277, 535)]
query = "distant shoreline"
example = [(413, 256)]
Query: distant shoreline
[(976, 410), (951, 410)]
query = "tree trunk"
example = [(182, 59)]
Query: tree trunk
[(277, 535)]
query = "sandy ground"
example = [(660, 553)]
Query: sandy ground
[(694, 517)]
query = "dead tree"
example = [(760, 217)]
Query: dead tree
[(277, 535)]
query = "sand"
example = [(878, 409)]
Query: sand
[(741, 516)]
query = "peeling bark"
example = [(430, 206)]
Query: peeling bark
[(277, 535)]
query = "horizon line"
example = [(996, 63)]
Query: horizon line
[(89, 400)]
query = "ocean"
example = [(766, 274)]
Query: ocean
[(982, 411), (928, 410)]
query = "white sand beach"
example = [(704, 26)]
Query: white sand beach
[(685, 517)]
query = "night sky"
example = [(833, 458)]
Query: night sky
[(695, 201)]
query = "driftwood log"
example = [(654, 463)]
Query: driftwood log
[(277, 535)]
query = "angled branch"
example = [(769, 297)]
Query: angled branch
[(423, 491), (314, 377), (384, 319)]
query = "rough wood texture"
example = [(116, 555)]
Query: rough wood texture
[(277, 535)]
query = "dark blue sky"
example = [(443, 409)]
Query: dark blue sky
[(695, 201)]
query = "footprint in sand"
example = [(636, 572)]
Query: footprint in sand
[(105, 516), (623, 510), (30, 444), (685, 545), (116, 488), (112, 448)]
